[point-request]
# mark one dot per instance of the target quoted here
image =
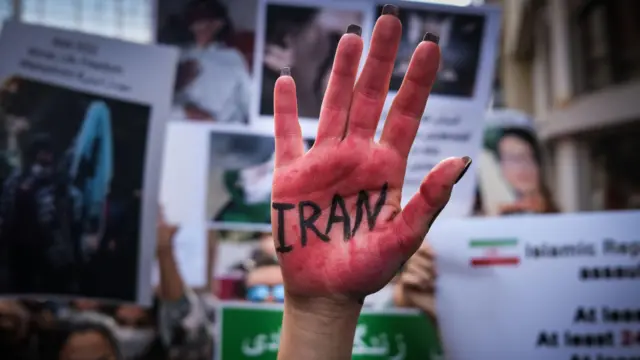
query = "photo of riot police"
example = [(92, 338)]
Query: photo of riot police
[(71, 170), (460, 45)]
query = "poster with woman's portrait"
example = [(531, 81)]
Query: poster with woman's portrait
[(461, 36), (511, 177), (216, 40), (302, 35), (241, 167)]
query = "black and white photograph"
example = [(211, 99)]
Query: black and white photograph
[(216, 41), (241, 167), (72, 169), (304, 38), (461, 37)]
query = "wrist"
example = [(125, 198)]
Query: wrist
[(322, 311), (318, 328)]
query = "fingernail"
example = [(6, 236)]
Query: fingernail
[(354, 29), (468, 162), (389, 9), (435, 216), (431, 37), (285, 71)]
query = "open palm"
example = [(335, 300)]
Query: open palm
[(338, 225)]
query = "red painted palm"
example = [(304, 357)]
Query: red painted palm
[(338, 225)]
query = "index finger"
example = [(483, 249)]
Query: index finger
[(289, 145)]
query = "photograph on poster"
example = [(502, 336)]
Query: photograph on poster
[(305, 38), (72, 168), (216, 38), (460, 43), (511, 177), (241, 166)]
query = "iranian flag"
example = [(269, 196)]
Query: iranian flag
[(495, 252)]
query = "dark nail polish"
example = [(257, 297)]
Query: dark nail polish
[(354, 29), (285, 71), (431, 37), (435, 216), (468, 162), (389, 9)]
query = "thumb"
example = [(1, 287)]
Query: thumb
[(435, 190)]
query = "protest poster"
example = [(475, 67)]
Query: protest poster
[(510, 167), (216, 42), (390, 334), (303, 35), (266, 35), (241, 167), (453, 121), (557, 287), (183, 199), (84, 120)]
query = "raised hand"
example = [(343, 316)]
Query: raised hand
[(416, 285), (339, 230)]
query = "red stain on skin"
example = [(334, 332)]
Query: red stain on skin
[(344, 161), (364, 263)]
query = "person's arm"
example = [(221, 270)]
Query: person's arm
[(171, 283), (177, 302), (332, 255), (416, 287), (318, 330)]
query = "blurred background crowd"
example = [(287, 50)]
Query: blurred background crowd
[(562, 127)]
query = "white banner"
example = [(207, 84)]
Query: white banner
[(85, 118), (563, 287)]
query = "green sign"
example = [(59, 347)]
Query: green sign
[(250, 331)]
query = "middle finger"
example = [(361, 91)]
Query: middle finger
[(372, 86)]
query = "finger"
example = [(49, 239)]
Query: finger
[(372, 86), (414, 281), (424, 273), (415, 219), (426, 251), (421, 263), (337, 98), (423, 301), (403, 119), (289, 144)]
